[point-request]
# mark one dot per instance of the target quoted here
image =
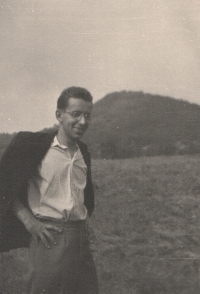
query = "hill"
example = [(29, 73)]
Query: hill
[(131, 124)]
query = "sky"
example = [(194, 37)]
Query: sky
[(105, 46)]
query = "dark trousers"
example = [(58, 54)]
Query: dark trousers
[(65, 268)]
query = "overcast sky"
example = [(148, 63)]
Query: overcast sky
[(105, 46)]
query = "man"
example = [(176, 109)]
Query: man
[(46, 196)]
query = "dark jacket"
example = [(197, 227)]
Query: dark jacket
[(18, 164)]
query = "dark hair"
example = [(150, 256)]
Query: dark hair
[(73, 92)]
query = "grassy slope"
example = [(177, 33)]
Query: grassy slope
[(146, 222), (145, 236)]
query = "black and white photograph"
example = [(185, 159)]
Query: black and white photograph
[(100, 147)]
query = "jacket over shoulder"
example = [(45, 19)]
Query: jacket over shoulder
[(18, 164)]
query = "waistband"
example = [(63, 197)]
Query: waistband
[(63, 222)]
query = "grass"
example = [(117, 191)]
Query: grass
[(145, 229)]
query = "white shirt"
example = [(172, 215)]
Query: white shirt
[(58, 189)]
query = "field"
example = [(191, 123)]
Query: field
[(144, 232)]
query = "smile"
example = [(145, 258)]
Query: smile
[(79, 129)]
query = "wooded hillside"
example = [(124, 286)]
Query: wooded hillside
[(131, 124)]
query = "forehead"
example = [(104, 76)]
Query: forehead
[(79, 104)]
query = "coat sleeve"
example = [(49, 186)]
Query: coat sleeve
[(12, 232), (89, 189), (8, 169)]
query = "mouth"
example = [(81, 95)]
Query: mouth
[(79, 130)]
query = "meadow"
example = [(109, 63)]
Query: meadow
[(144, 232)]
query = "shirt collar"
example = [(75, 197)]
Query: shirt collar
[(57, 143)]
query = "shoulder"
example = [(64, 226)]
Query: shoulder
[(17, 142), (26, 142), (31, 137), (85, 153), (83, 147), (25, 136)]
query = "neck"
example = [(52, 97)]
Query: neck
[(65, 140)]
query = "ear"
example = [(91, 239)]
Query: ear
[(59, 115)]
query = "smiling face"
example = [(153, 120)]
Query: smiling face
[(75, 119)]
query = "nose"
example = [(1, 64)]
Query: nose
[(82, 121)]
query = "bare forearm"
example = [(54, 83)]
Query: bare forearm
[(22, 213), (33, 225)]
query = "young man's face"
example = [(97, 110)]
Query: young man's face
[(76, 118)]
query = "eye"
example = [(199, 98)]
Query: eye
[(76, 113), (87, 115)]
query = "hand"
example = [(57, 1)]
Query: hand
[(41, 230), (36, 228)]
